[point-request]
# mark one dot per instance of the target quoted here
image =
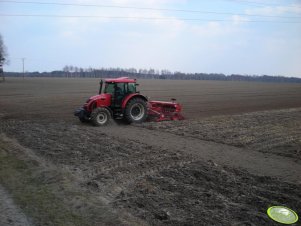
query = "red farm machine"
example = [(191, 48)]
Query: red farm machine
[(119, 99)]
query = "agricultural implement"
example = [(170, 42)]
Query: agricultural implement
[(119, 99)]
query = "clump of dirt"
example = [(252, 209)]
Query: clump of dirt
[(276, 132)]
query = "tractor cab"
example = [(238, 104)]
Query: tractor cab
[(118, 89)]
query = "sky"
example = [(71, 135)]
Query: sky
[(249, 37)]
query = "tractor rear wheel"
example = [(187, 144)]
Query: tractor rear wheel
[(100, 116), (136, 110)]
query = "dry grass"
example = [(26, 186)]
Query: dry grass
[(48, 195)]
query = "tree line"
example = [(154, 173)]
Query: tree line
[(70, 71)]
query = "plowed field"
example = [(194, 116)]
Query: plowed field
[(237, 153)]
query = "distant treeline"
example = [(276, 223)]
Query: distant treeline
[(75, 72)]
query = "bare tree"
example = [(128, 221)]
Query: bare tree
[(66, 70), (3, 57)]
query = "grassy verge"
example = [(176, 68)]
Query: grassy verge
[(47, 195), (35, 198)]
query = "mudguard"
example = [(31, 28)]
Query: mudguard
[(134, 95)]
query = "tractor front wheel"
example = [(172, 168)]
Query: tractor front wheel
[(136, 110), (83, 119), (100, 116)]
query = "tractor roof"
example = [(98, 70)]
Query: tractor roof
[(121, 80)]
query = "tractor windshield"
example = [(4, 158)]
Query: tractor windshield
[(110, 88)]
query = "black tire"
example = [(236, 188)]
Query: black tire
[(83, 120), (81, 114), (100, 116), (136, 111)]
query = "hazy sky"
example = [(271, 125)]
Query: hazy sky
[(212, 43)]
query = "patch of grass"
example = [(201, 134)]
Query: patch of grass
[(35, 198)]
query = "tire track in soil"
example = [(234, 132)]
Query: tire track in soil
[(109, 164), (138, 145), (257, 163), (274, 140), (276, 131), (112, 177), (121, 178)]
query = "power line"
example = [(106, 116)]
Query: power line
[(144, 8), (142, 18), (251, 3), (255, 3)]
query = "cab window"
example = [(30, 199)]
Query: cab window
[(110, 88), (120, 88), (131, 88)]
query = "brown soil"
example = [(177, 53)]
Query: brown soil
[(276, 132), (222, 170)]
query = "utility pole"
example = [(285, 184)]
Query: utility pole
[(23, 61)]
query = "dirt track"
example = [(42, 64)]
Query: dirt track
[(222, 170)]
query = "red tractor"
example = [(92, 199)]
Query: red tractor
[(118, 99)]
